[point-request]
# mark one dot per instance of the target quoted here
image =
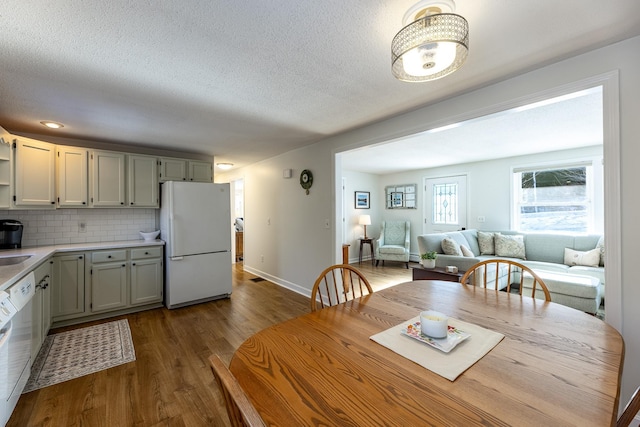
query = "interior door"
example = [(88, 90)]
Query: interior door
[(445, 204)]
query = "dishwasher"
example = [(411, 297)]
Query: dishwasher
[(15, 342)]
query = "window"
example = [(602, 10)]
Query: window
[(445, 203), (557, 198)]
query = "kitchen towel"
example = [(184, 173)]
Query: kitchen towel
[(448, 365)]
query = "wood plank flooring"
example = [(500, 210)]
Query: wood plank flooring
[(170, 383)]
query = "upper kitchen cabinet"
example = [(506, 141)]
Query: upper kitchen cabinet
[(200, 171), (142, 179), (107, 178), (173, 169), (34, 173), (72, 176)]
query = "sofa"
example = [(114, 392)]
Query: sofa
[(571, 265)]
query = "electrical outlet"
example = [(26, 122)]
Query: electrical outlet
[(481, 219), (82, 227)]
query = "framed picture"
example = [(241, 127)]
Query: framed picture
[(362, 199)]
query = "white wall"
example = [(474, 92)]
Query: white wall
[(297, 247), (358, 181)]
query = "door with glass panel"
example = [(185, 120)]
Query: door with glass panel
[(445, 204)]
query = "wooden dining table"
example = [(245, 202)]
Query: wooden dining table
[(555, 366)]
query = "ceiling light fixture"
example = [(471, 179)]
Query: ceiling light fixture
[(51, 125), (433, 43), (224, 166)]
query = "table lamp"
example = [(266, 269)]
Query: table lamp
[(365, 220)]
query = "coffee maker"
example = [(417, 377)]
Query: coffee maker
[(10, 234)]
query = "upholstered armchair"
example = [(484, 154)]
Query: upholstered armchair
[(394, 242)]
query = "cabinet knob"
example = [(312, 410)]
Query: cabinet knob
[(84, 203), (132, 203), (108, 256), (122, 203), (146, 253), (123, 265), (53, 203), (80, 257), (133, 263)]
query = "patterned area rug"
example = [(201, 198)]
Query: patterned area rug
[(80, 352)]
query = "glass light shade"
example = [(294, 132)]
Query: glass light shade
[(224, 166), (365, 220), (430, 47)]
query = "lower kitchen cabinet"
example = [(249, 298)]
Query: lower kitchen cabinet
[(117, 281), (41, 314), (146, 275), (108, 286), (68, 286)]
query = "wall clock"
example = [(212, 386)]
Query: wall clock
[(306, 180)]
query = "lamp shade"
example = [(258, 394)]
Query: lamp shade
[(365, 220), (432, 44)]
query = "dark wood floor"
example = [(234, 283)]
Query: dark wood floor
[(170, 383)]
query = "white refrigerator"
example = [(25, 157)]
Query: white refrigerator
[(195, 223)]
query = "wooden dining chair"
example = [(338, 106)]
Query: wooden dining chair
[(482, 274), (239, 408), (630, 411), (337, 284)]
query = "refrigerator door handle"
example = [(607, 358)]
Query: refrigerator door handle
[(177, 258)]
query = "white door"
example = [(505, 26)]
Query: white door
[(445, 204), (199, 215)]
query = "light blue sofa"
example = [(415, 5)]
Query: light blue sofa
[(544, 253)]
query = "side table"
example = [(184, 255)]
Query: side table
[(438, 273), (367, 241)]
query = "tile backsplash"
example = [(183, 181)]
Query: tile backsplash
[(64, 226)]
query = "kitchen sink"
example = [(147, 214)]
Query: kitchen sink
[(12, 260)]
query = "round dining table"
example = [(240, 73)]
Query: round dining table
[(555, 365)]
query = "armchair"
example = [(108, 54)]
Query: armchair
[(394, 242)]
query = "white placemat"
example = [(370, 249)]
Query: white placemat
[(449, 365)]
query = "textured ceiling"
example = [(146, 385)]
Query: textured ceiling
[(246, 81)]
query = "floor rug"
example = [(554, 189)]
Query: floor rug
[(80, 352)]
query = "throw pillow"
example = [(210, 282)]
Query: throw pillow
[(485, 242), (450, 247), (589, 258), (466, 251), (511, 246), (600, 246)]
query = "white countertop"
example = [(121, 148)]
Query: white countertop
[(9, 274)]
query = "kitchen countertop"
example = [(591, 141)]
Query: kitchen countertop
[(9, 274)]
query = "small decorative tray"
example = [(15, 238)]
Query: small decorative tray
[(454, 337)]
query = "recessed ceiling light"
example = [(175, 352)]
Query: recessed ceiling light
[(52, 125), (224, 166)]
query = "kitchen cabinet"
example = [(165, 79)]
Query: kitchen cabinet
[(41, 311), (34, 173), (200, 171), (68, 286), (142, 180), (172, 169), (107, 178), (146, 275), (108, 280), (5, 171), (72, 176)]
